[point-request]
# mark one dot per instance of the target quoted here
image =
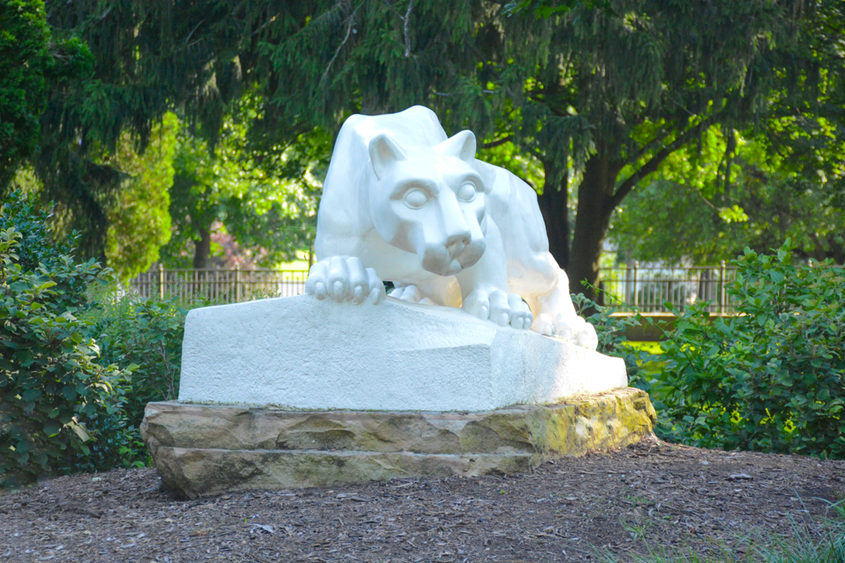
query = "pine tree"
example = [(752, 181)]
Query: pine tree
[(309, 64)]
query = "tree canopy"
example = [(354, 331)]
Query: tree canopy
[(601, 97), (628, 84)]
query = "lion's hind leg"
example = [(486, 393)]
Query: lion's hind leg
[(554, 313)]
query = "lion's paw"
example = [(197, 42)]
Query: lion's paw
[(344, 278), (501, 308), (410, 294), (572, 329)]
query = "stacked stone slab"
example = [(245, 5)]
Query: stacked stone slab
[(205, 450)]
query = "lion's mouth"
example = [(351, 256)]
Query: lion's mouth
[(448, 260)]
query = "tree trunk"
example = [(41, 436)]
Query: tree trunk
[(554, 207), (202, 250), (592, 222)]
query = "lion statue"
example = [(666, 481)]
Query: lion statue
[(404, 203)]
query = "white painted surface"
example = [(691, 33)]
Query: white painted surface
[(299, 352), (403, 203)]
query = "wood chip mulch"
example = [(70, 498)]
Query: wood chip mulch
[(651, 496)]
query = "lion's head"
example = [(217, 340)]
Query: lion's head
[(431, 201)]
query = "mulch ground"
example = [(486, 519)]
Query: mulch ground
[(649, 496)]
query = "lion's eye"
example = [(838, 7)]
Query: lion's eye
[(467, 192), (415, 198)]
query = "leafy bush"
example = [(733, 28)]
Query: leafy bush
[(50, 385), (146, 335), (770, 379)]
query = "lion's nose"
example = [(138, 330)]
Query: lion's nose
[(456, 244)]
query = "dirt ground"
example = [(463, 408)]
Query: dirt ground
[(649, 496)]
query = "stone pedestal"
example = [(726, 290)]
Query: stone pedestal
[(297, 392), (204, 450)]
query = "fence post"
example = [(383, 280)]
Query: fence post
[(634, 284), (161, 281), (237, 282), (722, 288)]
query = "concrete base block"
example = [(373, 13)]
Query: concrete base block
[(203, 450), (301, 353)]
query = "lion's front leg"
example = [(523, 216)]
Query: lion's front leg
[(484, 287), (344, 278)]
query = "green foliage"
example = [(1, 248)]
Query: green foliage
[(142, 64), (265, 196), (31, 62), (609, 87), (693, 212), (146, 336), (770, 379), (51, 385), (139, 222), (24, 58)]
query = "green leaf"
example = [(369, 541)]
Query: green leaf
[(69, 393), (31, 395), (52, 428)]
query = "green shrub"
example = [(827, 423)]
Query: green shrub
[(770, 379), (51, 386), (145, 334)]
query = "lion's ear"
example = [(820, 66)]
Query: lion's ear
[(384, 151), (461, 145)]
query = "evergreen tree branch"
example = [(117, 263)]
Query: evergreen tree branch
[(497, 142), (196, 27), (392, 9), (406, 20), (408, 29), (350, 25)]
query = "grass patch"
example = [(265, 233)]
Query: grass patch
[(822, 541), (647, 347)]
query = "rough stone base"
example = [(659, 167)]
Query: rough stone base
[(203, 450)]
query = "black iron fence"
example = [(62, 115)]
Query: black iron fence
[(222, 286), (646, 289)]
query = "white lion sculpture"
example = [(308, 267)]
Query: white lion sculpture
[(404, 203)]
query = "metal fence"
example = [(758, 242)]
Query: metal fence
[(647, 289), (221, 286), (626, 288)]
